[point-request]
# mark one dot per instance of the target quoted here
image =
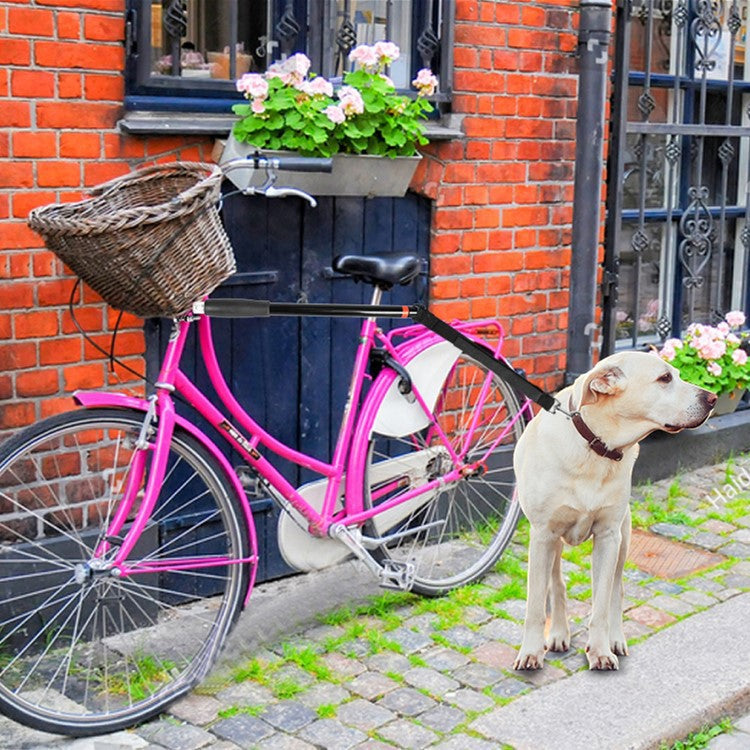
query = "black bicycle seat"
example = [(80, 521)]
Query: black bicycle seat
[(381, 270)]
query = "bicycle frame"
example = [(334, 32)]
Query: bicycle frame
[(346, 466)]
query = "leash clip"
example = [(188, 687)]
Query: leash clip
[(558, 407)]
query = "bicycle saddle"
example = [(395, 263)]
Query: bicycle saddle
[(382, 270)]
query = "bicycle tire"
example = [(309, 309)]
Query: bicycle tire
[(466, 522), (83, 652)]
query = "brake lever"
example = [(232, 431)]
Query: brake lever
[(284, 192)]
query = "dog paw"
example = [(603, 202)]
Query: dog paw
[(558, 641), (601, 660), (619, 646), (527, 660)]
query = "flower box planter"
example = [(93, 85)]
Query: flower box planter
[(352, 175), (728, 402)]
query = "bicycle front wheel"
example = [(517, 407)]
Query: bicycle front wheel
[(452, 470), (86, 648)]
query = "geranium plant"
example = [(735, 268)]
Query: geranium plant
[(713, 357), (291, 108)]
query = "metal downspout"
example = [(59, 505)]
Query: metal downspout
[(593, 46)]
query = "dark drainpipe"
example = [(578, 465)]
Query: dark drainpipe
[(593, 45)]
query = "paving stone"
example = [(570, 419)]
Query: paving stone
[(442, 718), (175, 736), (332, 735), (478, 676), (737, 580), (546, 676), (494, 654), (364, 715), (651, 617), (424, 623), (244, 730), (407, 735), (375, 745), (371, 685), (407, 702), (288, 716), (664, 587), (705, 584), (516, 608), (318, 634), (475, 615), (698, 598), (636, 575), (636, 591), (245, 694), (744, 521), (500, 629), (708, 540), (359, 648), (430, 680), (732, 741), (579, 609), (743, 724), (463, 637), (469, 700), (323, 694), (741, 567), (632, 629), (295, 674), (672, 605), (282, 742), (735, 549), (725, 594), (465, 742), (342, 665), (509, 688), (388, 661), (444, 659), (196, 709), (742, 535), (672, 530), (717, 527), (409, 640)]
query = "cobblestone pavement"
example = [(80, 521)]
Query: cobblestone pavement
[(413, 673)]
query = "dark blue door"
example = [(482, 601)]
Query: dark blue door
[(292, 374)]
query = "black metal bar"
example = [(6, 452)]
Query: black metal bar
[(593, 45), (246, 308), (674, 128)]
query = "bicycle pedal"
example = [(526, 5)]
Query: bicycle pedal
[(398, 575)]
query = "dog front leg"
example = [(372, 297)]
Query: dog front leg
[(617, 640), (559, 630), (604, 563), (541, 556)]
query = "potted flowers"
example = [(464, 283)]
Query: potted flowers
[(292, 109), (715, 358)]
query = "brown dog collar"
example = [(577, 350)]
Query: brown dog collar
[(594, 442)]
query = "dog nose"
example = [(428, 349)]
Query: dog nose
[(710, 398)]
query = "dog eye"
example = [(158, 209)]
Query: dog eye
[(665, 378)]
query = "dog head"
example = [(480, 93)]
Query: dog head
[(644, 392)]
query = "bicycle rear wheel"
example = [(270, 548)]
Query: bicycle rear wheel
[(462, 454), (82, 649)]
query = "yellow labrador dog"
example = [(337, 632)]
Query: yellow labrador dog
[(574, 481)]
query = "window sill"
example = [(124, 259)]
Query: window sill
[(219, 124)]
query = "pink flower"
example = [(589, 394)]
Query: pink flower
[(335, 114), (735, 318), (739, 357), (388, 80), (364, 55), (714, 368), (386, 52), (258, 106), (351, 101), (253, 85), (667, 353), (318, 86), (425, 82), (723, 328), (291, 71)]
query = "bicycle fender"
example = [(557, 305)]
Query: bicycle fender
[(90, 399)]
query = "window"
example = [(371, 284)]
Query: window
[(186, 54)]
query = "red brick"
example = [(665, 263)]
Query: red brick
[(68, 25), (17, 356), (69, 85), (31, 22), (445, 288), (60, 351), (15, 52), (98, 172), (104, 87), (484, 308), (476, 194), (117, 6), (527, 216), (37, 383), (472, 287), (450, 265), (38, 144), (453, 219), (15, 115), (16, 414), (491, 262), (467, 10), (487, 217), (80, 145), (17, 235), (83, 376), (472, 242), (463, 172), (51, 406), (79, 55), (58, 173), (89, 318), (480, 81), (88, 116), (509, 13), (34, 84), (20, 265), (35, 325), (546, 259), (445, 243), (23, 202), (103, 28)]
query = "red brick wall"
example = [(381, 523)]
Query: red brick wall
[(501, 226)]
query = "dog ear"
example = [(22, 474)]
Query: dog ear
[(607, 381)]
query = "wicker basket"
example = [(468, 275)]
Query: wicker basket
[(150, 243)]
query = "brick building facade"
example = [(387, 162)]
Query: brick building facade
[(502, 194)]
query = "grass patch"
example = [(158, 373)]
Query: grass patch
[(326, 711), (306, 658), (701, 738)]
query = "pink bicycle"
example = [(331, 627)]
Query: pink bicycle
[(128, 547)]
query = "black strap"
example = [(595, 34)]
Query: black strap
[(484, 356)]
